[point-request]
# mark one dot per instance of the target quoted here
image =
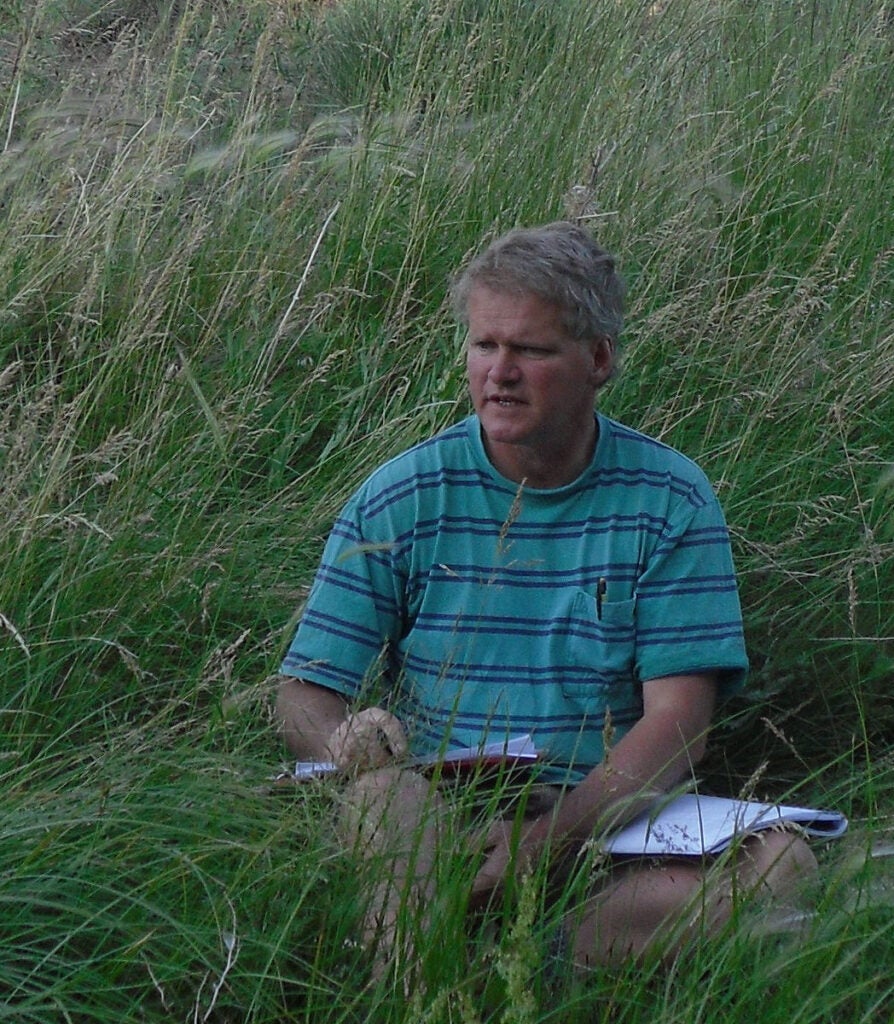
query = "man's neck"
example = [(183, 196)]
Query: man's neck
[(539, 469)]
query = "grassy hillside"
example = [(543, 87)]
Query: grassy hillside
[(229, 230)]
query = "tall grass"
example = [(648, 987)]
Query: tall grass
[(229, 231)]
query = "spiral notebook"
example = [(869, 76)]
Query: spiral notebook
[(693, 825)]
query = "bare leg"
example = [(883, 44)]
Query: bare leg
[(392, 818), (664, 907), (776, 863)]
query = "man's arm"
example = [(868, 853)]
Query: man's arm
[(657, 752), (308, 714), (318, 726)]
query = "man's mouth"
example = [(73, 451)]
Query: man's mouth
[(504, 401)]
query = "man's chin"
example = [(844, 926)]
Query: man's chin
[(501, 434), (510, 421)]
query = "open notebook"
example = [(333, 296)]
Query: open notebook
[(692, 825), (515, 750), (686, 825)]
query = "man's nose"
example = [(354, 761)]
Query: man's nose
[(504, 369)]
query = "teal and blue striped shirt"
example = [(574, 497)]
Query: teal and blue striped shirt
[(476, 602)]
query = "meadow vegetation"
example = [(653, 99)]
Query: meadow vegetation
[(229, 229)]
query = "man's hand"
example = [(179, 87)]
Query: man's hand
[(368, 739), (507, 853), (657, 752)]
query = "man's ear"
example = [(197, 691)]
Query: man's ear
[(603, 353)]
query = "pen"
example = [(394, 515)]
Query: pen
[(600, 596)]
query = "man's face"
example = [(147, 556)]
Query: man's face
[(531, 385)]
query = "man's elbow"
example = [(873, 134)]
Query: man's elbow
[(284, 707), (307, 715), (696, 740), (287, 694), (697, 748)]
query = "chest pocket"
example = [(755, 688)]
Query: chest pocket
[(604, 643)]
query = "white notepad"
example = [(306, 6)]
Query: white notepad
[(693, 825)]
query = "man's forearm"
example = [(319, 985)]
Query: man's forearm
[(309, 714), (614, 792), (659, 751)]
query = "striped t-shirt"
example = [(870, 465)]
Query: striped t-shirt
[(486, 609)]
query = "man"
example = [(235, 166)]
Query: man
[(537, 568)]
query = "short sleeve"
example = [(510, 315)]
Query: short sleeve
[(353, 610), (688, 616)]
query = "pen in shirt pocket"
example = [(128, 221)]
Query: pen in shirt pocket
[(601, 588)]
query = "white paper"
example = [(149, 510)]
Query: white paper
[(693, 825)]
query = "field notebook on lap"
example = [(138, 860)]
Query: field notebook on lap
[(516, 751), (693, 825)]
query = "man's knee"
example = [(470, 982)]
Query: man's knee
[(778, 861), (385, 804), (664, 908)]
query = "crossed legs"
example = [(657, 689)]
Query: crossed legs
[(664, 906), (395, 820)]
